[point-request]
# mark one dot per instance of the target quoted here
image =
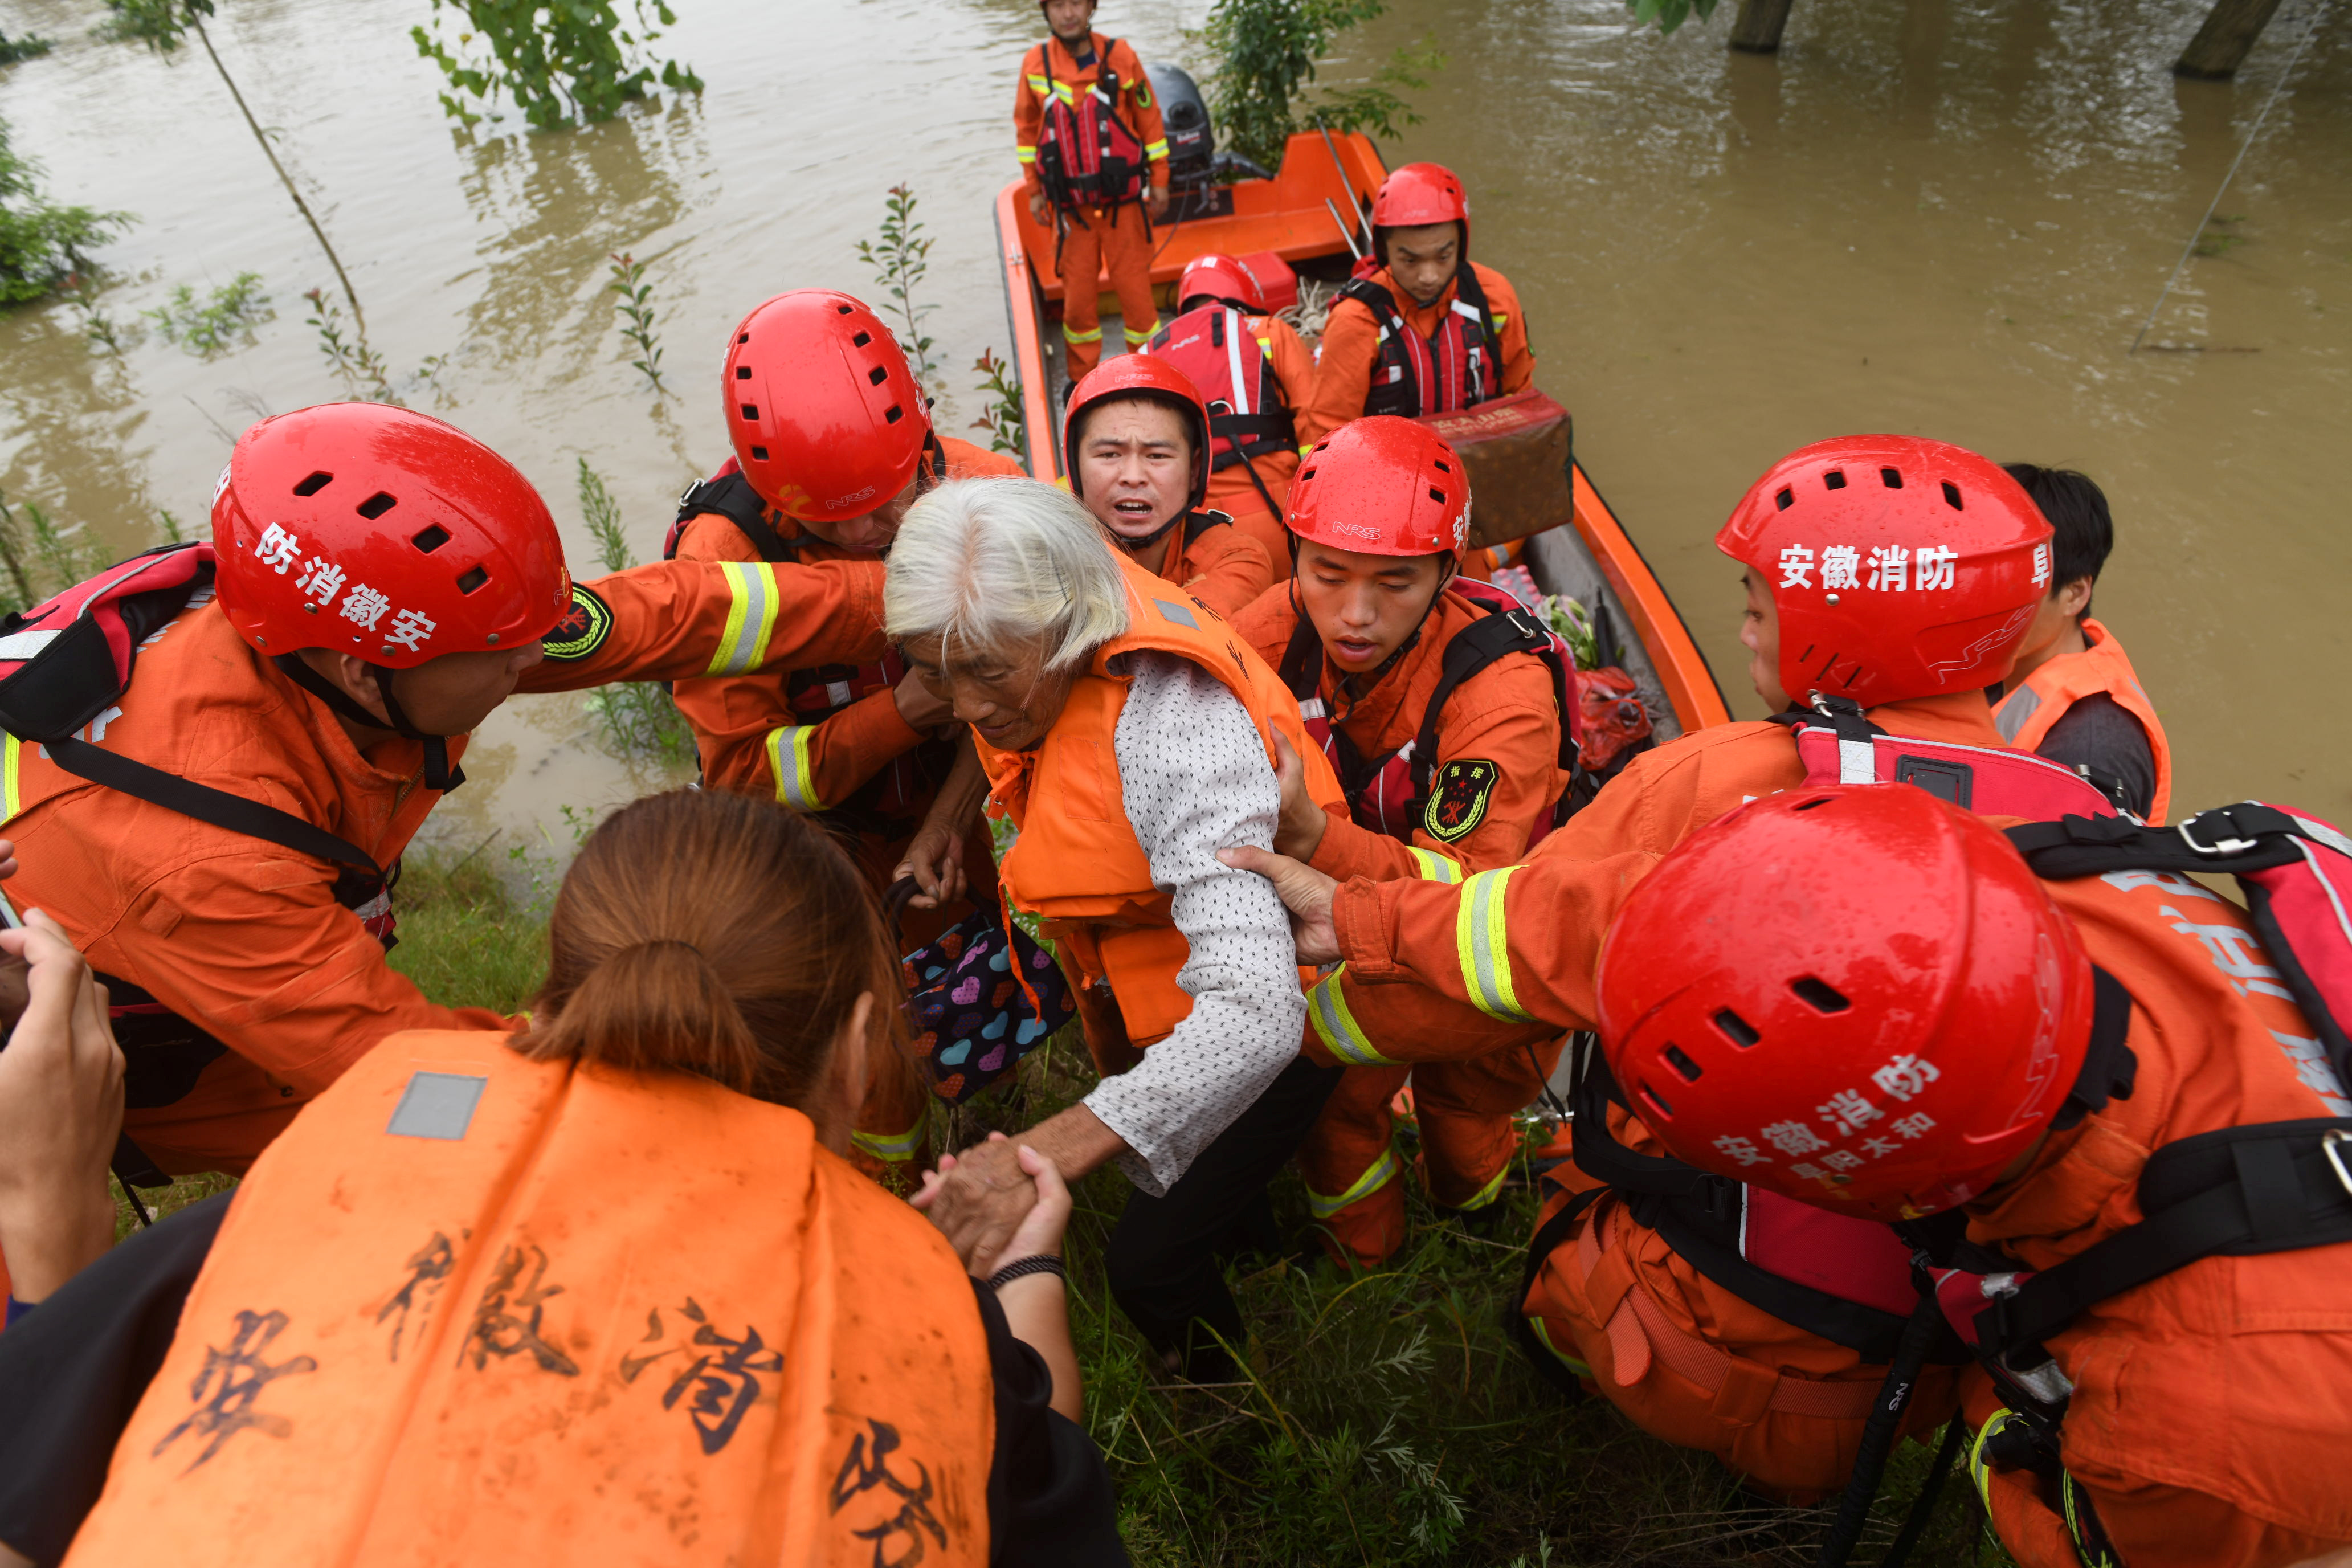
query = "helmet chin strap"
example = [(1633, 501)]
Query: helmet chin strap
[(1129, 543), (438, 773)]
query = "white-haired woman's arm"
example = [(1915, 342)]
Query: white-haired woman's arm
[(1195, 779)]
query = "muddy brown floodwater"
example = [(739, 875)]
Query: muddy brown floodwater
[(1932, 216)]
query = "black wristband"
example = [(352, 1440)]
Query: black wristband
[(1043, 1263)]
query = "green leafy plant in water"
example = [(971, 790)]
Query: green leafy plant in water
[(637, 717), (42, 245), (2221, 236), (21, 48), (351, 357), (1668, 14), (103, 331), (561, 63), (1001, 415), (41, 557), (210, 326), (900, 258), (636, 313), (1268, 51)]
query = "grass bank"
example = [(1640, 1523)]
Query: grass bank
[(1382, 1419)]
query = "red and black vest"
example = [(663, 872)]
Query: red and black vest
[(1087, 155), (887, 804), (1388, 793), (1248, 416), (1459, 365)]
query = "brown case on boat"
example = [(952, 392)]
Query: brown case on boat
[(1518, 450)]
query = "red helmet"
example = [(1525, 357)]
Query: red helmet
[(1420, 193), (1382, 485), (826, 418), (1856, 996), (1222, 279), (1145, 376), (385, 533), (1901, 567)]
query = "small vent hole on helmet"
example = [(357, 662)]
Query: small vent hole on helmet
[(1785, 499), (1834, 480), (431, 540), (861, 339), (1437, 495), (1817, 995), (314, 484), (1440, 464), (1308, 475), (1952, 495), (742, 337), (841, 310), (878, 376), (894, 415), (758, 454), (1891, 478), (1815, 803), (1736, 1029), (472, 580), (1679, 1059), (750, 412), (1656, 1102), (376, 505), (742, 372)]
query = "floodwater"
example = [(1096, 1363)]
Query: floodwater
[(1941, 217)]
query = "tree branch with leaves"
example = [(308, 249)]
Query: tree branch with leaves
[(1268, 51)]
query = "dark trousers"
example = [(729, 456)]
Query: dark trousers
[(1167, 1256)]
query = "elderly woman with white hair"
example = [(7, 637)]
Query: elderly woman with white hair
[(1130, 736)]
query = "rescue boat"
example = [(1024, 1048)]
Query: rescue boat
[(1313, 212)]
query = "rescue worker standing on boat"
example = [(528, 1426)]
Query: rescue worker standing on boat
[(1439, 704), (833, 443), (1862, 1001), (1422, 328), (1135, 446), (1094, 154), (1890, 580), (1254, 372)]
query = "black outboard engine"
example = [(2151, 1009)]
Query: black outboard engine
[(1191, 142)]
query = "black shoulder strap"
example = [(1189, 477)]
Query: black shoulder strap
[(1473, 648), (1374, 297), (1197, 523), (206, 804), (1468, 287), (2243, 837), (1302, 661), (732, 497)]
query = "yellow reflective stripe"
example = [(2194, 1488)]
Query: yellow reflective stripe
[(1135, 336), (1040, 85), (1981, 1467), (1327, 1009), (1064, 91), (1480, 939), (1566, 1360), (1487, 1194), (1500, 318), (1025, 154), (788, 758), (1383, 1171), (751, 619), (12, 780), (1153, 151), (896, 1150), (1431, 866), (1092, 335)]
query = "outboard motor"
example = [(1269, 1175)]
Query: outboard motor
[(1191, 141)]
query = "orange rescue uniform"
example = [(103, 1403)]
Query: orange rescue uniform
[(1095, 239), (1508, 717), (243, 938), (1351, 347), (1212, 560), (2027, 711), (475, 1310), (1230, 489)]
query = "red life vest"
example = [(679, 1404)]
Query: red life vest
[(1388, 793), (1234, 368), (1987, 780), (884, 803), (1455, 367), (1087, 156)]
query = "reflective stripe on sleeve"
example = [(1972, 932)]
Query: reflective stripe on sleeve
[(1155, 152), (1327, 1009), (1479, 937), (12, 779), (898, 1149), (1025, 154), (751, 619), (1431, 866), (1383, 1171), (788, 758)]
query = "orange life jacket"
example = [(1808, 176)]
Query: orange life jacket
[(471, 1308), (1077, 862), (2026, 713)]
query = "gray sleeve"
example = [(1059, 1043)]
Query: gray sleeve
[(2098, 731), (1195, 779)]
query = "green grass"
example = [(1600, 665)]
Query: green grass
[(1383, 1418)]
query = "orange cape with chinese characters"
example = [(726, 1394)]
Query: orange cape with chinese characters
[(470, 1310)]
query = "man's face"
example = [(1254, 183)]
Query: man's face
[(1135, 466), (872, 531), (2055, 617), (1759, 631), (1364, 607), (1424, 259), (452, 695), (1070, 19)]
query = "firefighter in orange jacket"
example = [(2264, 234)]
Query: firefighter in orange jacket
[(1426, 329), (1253, 372), (1135, 446), (383, 582), (1094, 154), (2074, 696), (832, 442), (1863, 1001), (1435, 973), (1441, 710)]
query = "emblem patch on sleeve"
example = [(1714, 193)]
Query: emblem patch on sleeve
[(1458, 797), (587, 622)]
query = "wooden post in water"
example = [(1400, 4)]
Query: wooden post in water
[(2221, 45), (1758, 29)]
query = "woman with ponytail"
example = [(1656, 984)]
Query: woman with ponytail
[(603, 1290)]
